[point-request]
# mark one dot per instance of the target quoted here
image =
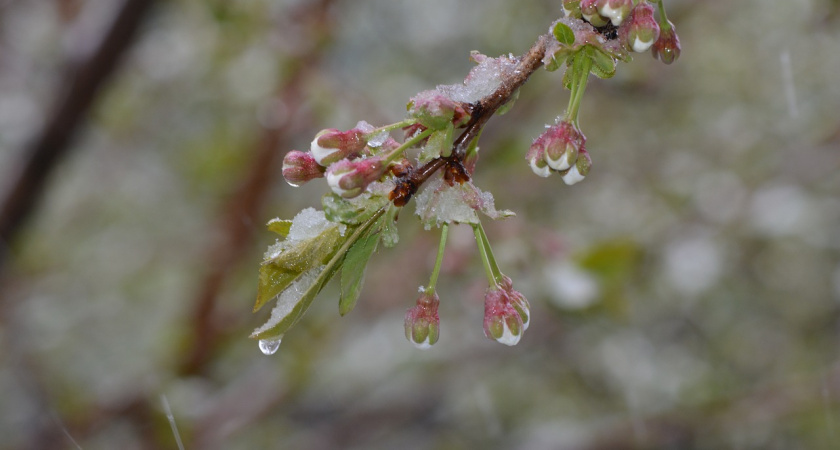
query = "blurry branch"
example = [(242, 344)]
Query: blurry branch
[(81, 86), (243, 209)]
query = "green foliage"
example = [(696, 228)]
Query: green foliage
[(353, 268)]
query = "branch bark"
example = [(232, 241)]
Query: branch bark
[(82, 84)]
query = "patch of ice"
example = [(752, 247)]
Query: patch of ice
[(482, 80), (289, 298), (307, 224)]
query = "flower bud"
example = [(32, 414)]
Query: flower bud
[(518, 301), (300, 167), (579, 171), (422, 323), (350, 178), (502, 322), (435, 110), (641, 30), (571, 8), (536, 157), (333, 145), (589, 11), (667, 47), (562, 143), (615, 10)]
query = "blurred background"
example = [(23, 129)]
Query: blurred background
[(686, 295)]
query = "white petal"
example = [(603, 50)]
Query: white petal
[(541, 171), (640, 46), (332, 181), (573, 176), (508, 338), (319, 153)]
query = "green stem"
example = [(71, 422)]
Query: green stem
[(581, 66), (494, 266), (664, 24), (439, 260), (406, 145), (389, 128)]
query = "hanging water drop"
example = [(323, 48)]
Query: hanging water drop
[(270, 346)]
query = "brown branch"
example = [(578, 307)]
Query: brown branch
[(245, 205), (481, 112), (82, 84)]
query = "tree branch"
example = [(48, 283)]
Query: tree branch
[(82, 85)]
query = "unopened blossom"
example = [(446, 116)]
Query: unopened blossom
[(332, 145), (422, 322), (562, 142), (640, 30), (667, 47), (300, 167), (615, 10), (518, 301), (571, 8), (589, 11), (502, 321), (579, 171), (350, 178), (435, 110), (536, 158)]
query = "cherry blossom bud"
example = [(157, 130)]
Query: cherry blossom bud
[(562, 143), (435, 110), (422, 323), (502, 322), (518, 301), (667, 47), (640, 30), (350, 178), (300, 167), (579, 171), (536, 157), (589, 11), (571, 8), (615, 10), (333, 145)]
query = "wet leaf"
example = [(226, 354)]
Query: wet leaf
[(563, 33), (280, 227), (351, 211), (353, 268)]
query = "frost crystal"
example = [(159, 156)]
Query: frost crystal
[(307, 224), (289, 298), (482, 80), (440, 203)]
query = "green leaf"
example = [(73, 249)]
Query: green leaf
[(390, 233), (563, 33), (353, 268), (439, 144), (509, 104), (603, 65), (351, 211), (291, 305), (557, 59), (280, 227), (292, 259)]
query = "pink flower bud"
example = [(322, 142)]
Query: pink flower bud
[(640, 30), (589, 11), (579, 171), (562, 142), (300, 167), (615, 10), (518, 301), (422, 323), (435, 110), (536, 157), (502, 322), (667, 47), (350, 178), (333, 145)]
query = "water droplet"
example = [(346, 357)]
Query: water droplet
[(292, 184), (270, 346)]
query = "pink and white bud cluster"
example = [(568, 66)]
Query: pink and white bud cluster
[(349, 178), (641, 30), (506, 313), (599, 12), (422, 322), (561, 148)]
